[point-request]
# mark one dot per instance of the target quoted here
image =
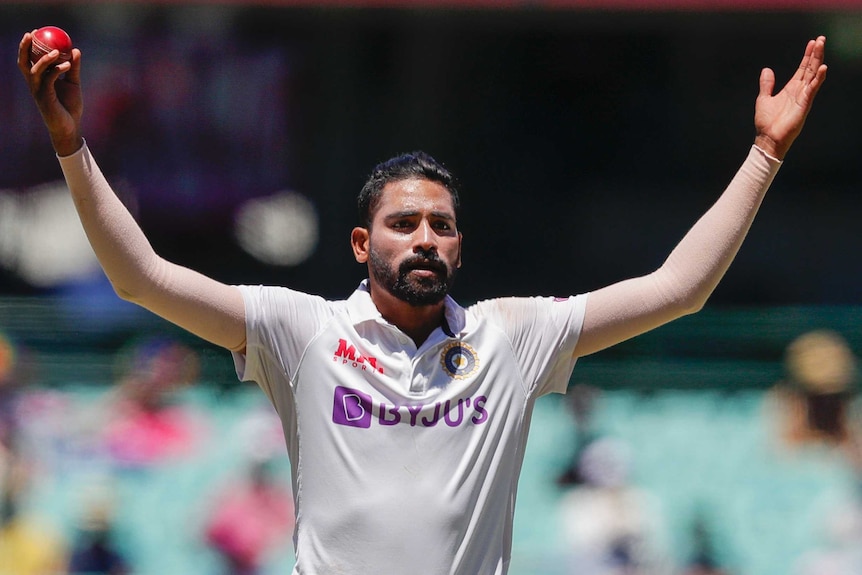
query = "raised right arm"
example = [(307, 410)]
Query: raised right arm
[(201, 305)]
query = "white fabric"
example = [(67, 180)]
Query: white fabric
[(201, 305), (405, 460), (688, 277)]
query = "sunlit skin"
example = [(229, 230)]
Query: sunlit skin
[(413, 235)]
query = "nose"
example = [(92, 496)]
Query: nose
[(425, 239)]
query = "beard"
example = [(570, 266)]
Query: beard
[(414, 290)]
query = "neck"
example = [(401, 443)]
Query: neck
[(416, 321)]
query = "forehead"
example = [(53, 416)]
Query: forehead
[(415, 195)]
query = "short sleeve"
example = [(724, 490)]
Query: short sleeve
[(279, 324), (543, 333)]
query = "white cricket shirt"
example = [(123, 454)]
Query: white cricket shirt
[(405, 461)]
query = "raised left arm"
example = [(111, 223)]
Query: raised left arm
[(688, 277)]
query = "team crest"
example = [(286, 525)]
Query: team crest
[(459, 360)]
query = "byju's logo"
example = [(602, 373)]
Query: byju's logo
[(354, 408), (351, 407)]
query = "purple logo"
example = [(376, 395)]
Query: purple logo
[(354, 408), (351, 407)]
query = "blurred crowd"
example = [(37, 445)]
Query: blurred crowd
[(129, 433), (607, 520), (613, 526)]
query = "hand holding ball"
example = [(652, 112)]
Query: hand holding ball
[(50, 38)]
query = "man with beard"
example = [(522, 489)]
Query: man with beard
[(405, 414)]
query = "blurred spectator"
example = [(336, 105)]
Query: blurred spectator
[(816, 411), (251, 518), (12, 381), (8, 421), (581, 401), (704, 560), (33, 418), (841, 551), (147, 425), (28, 546), (94, 551), (815, 404), (610, 526)]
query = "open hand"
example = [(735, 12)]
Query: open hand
[(56, 88), (778, 119)]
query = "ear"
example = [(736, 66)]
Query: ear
[(460, 239), (359, 242)]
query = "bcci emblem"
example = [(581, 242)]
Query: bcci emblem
[(459, 360)]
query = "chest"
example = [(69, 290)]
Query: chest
[(384, 381)]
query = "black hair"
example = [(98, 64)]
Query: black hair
[(403, 167)]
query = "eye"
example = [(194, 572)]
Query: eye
[(402, 224)]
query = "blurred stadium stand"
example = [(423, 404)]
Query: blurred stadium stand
[(687, 398)]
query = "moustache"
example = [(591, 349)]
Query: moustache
[(429, 261)]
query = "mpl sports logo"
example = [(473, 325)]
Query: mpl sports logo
[(346, 354), (354, 408)]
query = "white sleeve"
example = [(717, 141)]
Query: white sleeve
[(199, 304), (688, 277), (543, 333), (279, 324)]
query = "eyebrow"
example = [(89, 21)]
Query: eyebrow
[(413, 213)]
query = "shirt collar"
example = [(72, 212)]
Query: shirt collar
[(361, 308)]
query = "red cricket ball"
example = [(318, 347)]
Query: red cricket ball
[(50, 38)]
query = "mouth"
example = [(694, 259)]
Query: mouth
[(425, 266), (424, 272), (424, 269)]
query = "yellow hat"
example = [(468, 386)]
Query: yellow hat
[(821, 362), (7, 357)]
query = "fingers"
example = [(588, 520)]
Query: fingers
[(55, 72), (73, 72), (24, 53), (812, 60), (767, 82), (817, 64), (814, 85), (806, 61), (814, 72), (819, 52), (31, 72)]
